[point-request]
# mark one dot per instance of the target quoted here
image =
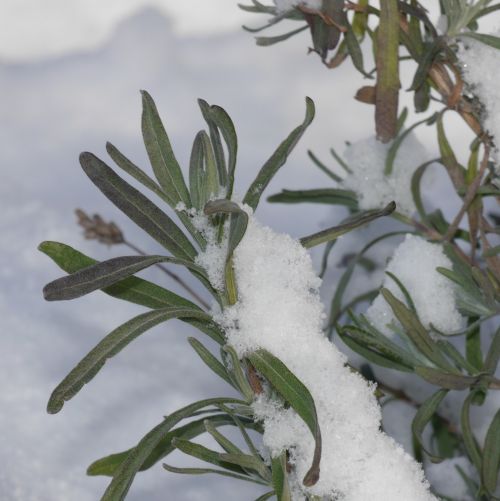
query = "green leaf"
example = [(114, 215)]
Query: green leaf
[(223, 441), (398, 141), (381, 345), (203, 471), (136, 172), (130, 168), (238, 374), (239, 220), (491, 455), (247, 462), (112, 344), (323, 167), (332, 196), (196, 172), (415, 330), (343, 283), (297, 395), (132, 289), (493, 355), (109, 464), (428, 55), (125, 473), (350, 224), (103, 274), (266, 41), (473, 352), (455, 170), (404, 290), (422, 418), (355, 51), (450, 381), (137, 207), (372, 354), (203, 173), (415, 187), (205, 454), (161, 156), (277, 159), (266, 496), (210, 360), (470, 443), (220, 122), (280, 480), (490, 40)]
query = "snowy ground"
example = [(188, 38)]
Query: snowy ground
[(52, 110)]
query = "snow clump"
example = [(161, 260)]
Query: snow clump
[(414, 264), (366, 159), (279, 310), (480, 68)]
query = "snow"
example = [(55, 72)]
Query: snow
[(279, 309), (480, 68), (446, 479), (366, 159), (284, 5), (414, 263)]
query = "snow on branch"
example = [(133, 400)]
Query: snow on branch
[(279, 310), (414, 264)]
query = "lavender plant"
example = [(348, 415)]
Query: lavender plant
[(430, 318), (319, 418)]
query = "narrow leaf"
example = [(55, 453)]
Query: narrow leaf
[(422, 418), (112, 344), (446, 380), (277, 159), (125, 473), (470, 443), (161, 156), (101, 275), (203, 471), (491, 360), (133, 289), (266, 41), (210, 360), (415, 330), (297, 395), (280, 480), (491, 455), (350, 224), (137, 207), (108, 465), (333, 196)]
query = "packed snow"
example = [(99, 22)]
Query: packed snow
[(279, 309), (285, 5), (480, 68), (366, 159), (414, 263)]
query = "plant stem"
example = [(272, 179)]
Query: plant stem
[(469, 196)]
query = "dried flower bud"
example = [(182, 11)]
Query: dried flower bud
[(95, 228)]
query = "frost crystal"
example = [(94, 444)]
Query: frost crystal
[(284, 5), (366, 159), (414, 263), (213, 257), (480, 67), (279, 309)]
